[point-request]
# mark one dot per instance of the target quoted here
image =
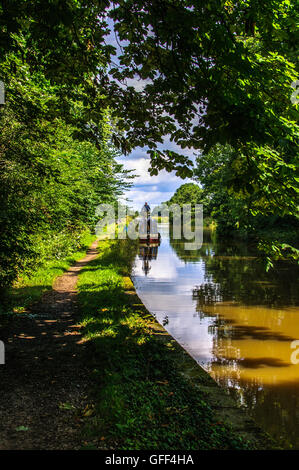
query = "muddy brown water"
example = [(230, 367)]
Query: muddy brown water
[(239, 322)]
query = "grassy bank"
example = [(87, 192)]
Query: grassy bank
[(29, 288), (140, 398)]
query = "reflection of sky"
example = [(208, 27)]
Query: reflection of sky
[(167, 292), (245, 347), (257, 333)]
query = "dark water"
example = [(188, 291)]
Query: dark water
[(236, 320)]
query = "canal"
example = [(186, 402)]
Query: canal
[(238, 322)]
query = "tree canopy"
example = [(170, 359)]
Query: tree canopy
[(244, 213), (213, 71), (57, 165), (188, 193), (209, 73)]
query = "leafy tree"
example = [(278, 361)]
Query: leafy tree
[(214, 171), (188, 193), (217, 73), (213, 72), (51, 178), (235, 212)]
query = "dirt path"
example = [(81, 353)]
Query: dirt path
[(45, 379)]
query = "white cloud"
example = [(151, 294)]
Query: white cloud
[(140, 167), (153, 189), (138, 197)]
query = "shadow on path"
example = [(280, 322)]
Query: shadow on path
[(45, 380)]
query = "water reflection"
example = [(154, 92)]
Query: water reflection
[(147, 252), (235, 319)]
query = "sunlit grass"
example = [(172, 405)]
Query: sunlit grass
[(29, 288), (141, 400)]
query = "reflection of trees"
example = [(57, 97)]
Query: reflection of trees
[(207, 248), (245, 281), (207, 294), (233, 273), (274, 408)]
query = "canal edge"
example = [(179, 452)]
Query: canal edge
[(224, 407)]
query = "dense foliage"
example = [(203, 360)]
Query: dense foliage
[(245, 213), (221, 73), (208, 73), (188, 193), (52, 176)]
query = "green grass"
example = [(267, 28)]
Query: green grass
[(141, 400), (29, 288)]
